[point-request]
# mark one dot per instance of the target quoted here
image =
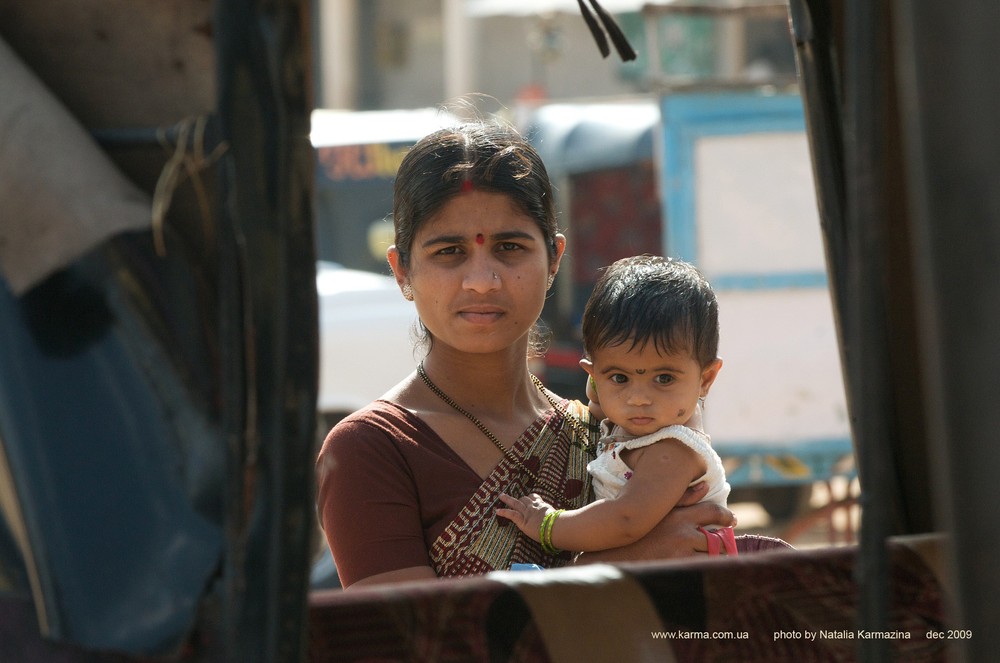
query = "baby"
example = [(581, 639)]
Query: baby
[(651, 337)]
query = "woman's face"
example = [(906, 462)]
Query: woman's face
[(478, 270)]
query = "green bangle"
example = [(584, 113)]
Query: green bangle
[(545, 531), (541, 531), (546, 546)]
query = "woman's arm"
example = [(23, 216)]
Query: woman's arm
[(661, 473), (368, 507), (399, 575)]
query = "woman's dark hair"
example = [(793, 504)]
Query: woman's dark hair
[(482, 156), (646, 299)]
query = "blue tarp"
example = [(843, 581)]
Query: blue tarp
[(116, 555)]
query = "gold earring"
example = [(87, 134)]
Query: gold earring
[(407, 292), (552, 278)]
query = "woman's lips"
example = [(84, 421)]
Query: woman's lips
[(481, 315)]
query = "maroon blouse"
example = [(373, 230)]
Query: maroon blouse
[(387, 468)]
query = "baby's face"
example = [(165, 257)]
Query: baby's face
[(642, 390)]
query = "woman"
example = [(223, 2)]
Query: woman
[(408, 486)]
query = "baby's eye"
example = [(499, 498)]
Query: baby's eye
[(618, 378), (664, 378)]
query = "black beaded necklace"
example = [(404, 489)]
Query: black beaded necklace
[(486, 431)]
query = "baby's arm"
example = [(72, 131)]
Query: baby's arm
[(661, 474)]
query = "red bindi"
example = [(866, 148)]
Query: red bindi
[(480, 239)]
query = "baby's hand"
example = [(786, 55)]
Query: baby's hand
[(525, 512)]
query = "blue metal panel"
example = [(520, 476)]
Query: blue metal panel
[(774, 281), (750, 463), (686, 119)]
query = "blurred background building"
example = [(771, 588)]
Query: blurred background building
[(696, 149), (379, 54)]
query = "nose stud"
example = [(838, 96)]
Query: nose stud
[(495, 276)]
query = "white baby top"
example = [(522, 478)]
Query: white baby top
[(610, 472)]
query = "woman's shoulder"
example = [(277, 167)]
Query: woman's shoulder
[(570, 407), (580, 410), (378, 411), (383, 428), (584, 424), (380, 421)]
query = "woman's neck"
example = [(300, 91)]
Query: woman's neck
[(496, 384)]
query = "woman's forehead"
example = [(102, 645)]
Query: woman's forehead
[(478, 213)]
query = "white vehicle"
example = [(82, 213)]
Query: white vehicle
[(366, 339)]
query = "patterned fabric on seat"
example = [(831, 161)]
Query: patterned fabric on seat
[(785, 605)]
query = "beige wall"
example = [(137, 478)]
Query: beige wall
[(408, 41)]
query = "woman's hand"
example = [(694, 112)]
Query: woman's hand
[(693, 494), (675, 536)]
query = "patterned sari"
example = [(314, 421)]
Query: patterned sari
[(556, 448)]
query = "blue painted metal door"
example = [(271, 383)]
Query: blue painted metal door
[(738, 201)]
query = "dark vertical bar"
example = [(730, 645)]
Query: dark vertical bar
[(950, 96), (864, 88), (843, 62), (269, 323), (812, 23)]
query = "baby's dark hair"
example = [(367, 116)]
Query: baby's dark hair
[(646, 299)]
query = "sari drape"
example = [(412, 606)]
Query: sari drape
[(556, 449)]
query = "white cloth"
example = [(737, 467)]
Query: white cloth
[(610, 472), (61, 195)]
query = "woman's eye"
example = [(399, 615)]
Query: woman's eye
[(448, 251), (508, 246)]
